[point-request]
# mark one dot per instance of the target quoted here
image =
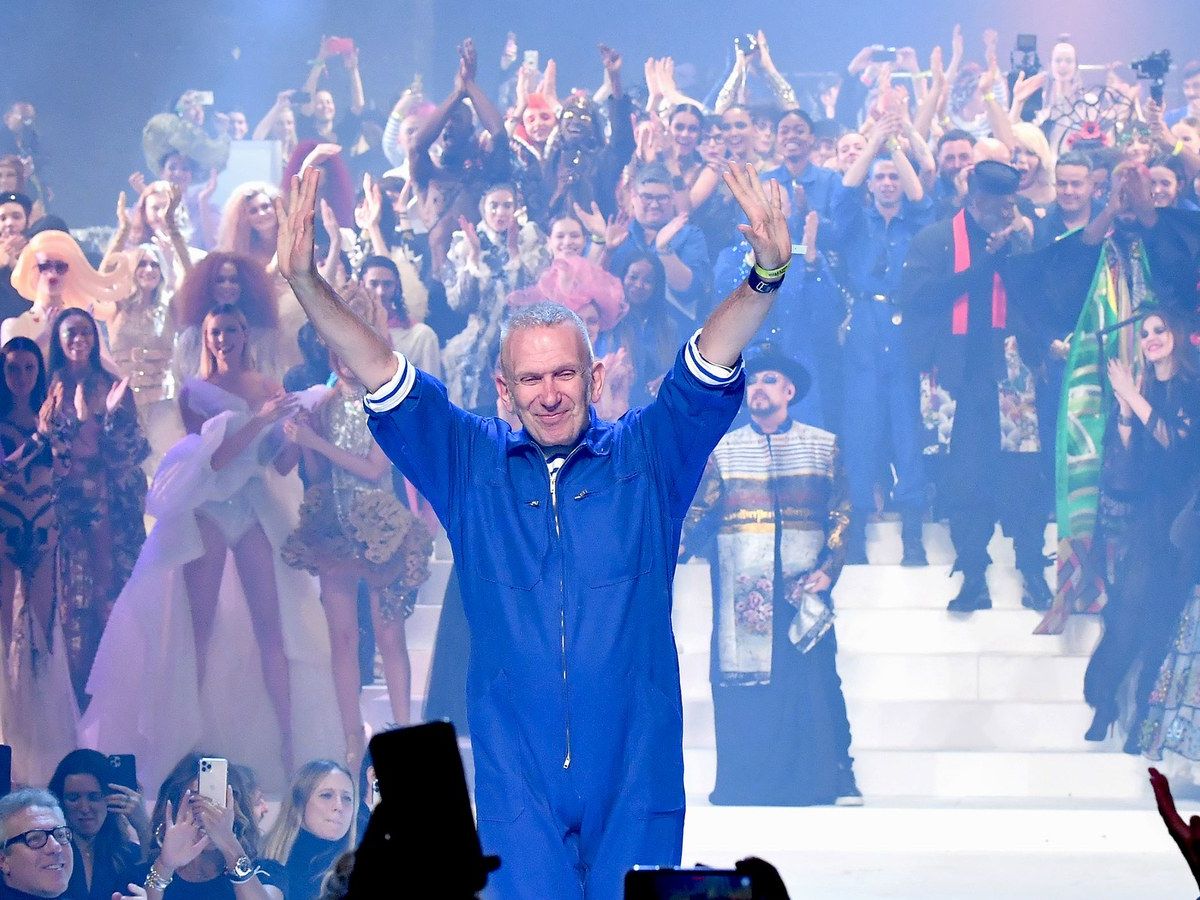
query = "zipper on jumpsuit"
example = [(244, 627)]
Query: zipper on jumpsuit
[(562, 609)]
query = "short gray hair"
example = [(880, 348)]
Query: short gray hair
[(545, 314), (21, 800)]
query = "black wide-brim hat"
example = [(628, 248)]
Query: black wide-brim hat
[(768, 358)]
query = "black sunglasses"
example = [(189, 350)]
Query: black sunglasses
[(57, 266)]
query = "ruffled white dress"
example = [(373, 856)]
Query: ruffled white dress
[(145, 698)]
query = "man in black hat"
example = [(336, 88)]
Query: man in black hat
[(968, 331), (14, 223), (771, 516)]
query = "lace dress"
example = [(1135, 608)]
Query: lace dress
[(145, 697), (349, 525), (38, 712)]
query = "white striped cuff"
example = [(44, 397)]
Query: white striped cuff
[(710, 374), (392, 394)]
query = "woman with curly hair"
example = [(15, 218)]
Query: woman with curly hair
[(91, 423), (249, 225), (226, 278), (352, 528), (199, 844)]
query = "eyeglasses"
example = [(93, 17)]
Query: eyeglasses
[(57, 266), (764, 378), (37, 838), (716, 138), (656, 199)]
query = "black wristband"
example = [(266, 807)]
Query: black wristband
[(760, 285)]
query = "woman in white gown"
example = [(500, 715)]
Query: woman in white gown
[(198, 651)]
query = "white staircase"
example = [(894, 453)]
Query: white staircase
[(946, 708)]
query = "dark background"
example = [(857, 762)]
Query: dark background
[(97, 70)]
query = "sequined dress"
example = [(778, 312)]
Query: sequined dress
[(352, 526)]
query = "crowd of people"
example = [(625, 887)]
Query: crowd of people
[(989, 318)]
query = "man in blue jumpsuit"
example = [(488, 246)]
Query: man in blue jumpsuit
[(881, 425), (567, 533)]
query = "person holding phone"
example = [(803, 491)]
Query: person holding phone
[(568, 530), (204, 850), (101, 814)]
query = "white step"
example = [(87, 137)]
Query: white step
[(960, 676), (928, 631), (947, 775)]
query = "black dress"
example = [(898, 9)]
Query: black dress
[(109, 875), (308, 863), (219, 888), (1150, 483)]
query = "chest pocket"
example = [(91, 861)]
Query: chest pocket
[(506, 538), (611, 529)]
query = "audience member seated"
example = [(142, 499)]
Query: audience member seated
[(102, 817), (35, 858), (314, 827)]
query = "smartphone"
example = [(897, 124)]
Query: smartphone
[(124, 767), (301, 98), (1026, 43), (685, 884), (530, 58), (214, 779), (339, 46), (5, 770), (883, 54), (204, 98)]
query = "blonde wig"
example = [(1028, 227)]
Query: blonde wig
[(83, 286), (235, 234)]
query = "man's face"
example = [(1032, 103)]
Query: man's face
[(548, 382), (238, 126), (12, 219), (993, 213), (885, 184), (653, 204), (575, 123), (324, 109), (1191, 90), (768, 393), (1073, 185), (382, 284), (10, 179), (44, 872), (459, 127), (1181, 130), (794, 138), (499, 210), (822, 152), (953, 158)]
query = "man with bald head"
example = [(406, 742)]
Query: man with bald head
[(567, 532)]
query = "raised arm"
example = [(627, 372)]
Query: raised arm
[(368, 355), (731, 325), (489, 116)]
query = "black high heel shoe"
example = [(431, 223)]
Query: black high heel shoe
[(1102, 725)]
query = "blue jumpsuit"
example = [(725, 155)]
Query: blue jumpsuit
[(573, 685), (880, 387)]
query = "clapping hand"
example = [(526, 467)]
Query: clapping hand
[(1124, 385), (592, 219), (474, 245), (278, 406), (666, 234), (767, 230), (116, 394), (1185, 834)]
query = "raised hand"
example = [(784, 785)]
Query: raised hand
[(176, 198), (764, 52), (811, 223), (294, 244), (184, 838), (593, 219), (549, 86), (122, 213), (616, 231), (369, 212), (116, 394), (468, 63), (610, 58), (277, 407), (1186, 835), (667, 233), (205, 193), (1120, 376), (329, 220), (82, 412), (767, 230), (474, 245), (137, 181)]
